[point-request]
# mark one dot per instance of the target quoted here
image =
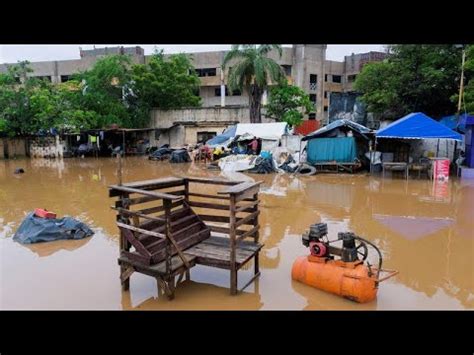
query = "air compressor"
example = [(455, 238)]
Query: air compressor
[(344, 271)]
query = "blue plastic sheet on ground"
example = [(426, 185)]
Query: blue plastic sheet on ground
[(323, 150), (36, 229)]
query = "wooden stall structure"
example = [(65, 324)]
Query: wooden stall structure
[(180, 227)]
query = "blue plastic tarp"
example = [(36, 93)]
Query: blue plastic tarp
[(224, 137), (36, 229), (323, 150), (336, 124), (456, 123), (417, 126)]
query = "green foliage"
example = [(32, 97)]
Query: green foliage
[(254, 71), (414, 78), (468, 97), (287, 103), (166, 82), (113, 91)]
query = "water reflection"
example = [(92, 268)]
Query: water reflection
[(425, 231)]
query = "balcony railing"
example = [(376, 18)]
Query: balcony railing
[(313, 86)]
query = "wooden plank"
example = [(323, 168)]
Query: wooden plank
[(209, 196), (141, 231), (249, 232), (213, 218), (177, 225), (221, 229), (137, 213), (214, 206), (185, 243), (135, 201), (143, 192), (245, 207), (240, 188), (247, 194), (135, 257), (214, 181), (156, 269), (247, 219)]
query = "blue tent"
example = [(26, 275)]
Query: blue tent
[(417, 126), (222, 138), (456, 124)]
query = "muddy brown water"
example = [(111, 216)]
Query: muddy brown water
[(424, 229)]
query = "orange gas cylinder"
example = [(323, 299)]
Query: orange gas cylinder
[(347, 279)]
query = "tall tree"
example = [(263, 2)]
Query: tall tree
[(253, 70), (168, 82), (413, 78), (287, 103)]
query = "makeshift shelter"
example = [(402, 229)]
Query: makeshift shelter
[(400, 155), (269, 134), (223, 139), (340, 143), (455, 123), (417, 125)]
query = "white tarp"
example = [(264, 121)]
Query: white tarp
[(270, 131), (238, 162)]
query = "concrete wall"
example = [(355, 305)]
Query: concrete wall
[(12, 147), (46, 147), (209, 98), (164, 119)]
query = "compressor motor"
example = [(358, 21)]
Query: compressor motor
[(350, 275), (319, 245)]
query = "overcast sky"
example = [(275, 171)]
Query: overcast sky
[(34, 53)]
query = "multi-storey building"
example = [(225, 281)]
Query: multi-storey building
[(304, 64)]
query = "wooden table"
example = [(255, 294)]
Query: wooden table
[(396, 165)]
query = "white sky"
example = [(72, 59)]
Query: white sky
[(35, 53)]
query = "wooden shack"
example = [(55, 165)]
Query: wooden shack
[(180, 227)]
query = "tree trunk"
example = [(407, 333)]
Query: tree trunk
[(255, 103)]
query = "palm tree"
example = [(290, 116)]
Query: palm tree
[(254, 71)]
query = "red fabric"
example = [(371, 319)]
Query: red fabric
[(307, 127)]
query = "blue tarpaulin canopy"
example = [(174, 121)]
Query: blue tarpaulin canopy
[(456, 123), (417, 125), (336, 124), (222, 138)]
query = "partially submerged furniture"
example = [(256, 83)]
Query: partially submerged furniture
[(180, 227)]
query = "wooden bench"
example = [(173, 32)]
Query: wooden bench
[(167, 239)]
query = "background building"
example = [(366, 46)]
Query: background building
[(305, 66)]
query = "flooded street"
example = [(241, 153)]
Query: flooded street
[(424, 229)]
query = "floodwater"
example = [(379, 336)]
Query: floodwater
[(424, 229)]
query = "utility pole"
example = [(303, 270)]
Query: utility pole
[(461, 86)]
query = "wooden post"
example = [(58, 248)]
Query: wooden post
[(186, 190), (232, 232), (167, 206), (119, 169), (256, 237), (123, 140)]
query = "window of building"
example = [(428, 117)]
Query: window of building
[(203, 137), (325, 109), (325, 77), (312, 116), (206, 72), (351, 78), (325, 94), (287, 69), (313, 81), (312, 98), (217, 92), (336, 78), (65, 78)]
